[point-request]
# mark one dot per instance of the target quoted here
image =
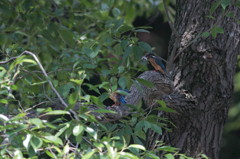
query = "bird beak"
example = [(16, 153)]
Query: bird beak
[(144, 58)]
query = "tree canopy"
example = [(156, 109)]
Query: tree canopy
[(88, 50)]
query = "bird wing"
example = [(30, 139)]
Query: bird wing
[(159, 62), (122, 99)]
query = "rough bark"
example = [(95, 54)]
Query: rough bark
[(205, 69)]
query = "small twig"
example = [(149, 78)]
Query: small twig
[(32, 107), (88, 141)]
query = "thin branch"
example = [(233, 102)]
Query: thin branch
[(171, 58), (169, 20), (11, 59), (47, 77)]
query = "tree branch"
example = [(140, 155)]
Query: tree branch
[(46, 76)]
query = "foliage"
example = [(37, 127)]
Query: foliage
[(88, 48)]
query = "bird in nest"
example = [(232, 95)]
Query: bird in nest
[(155, 61), (118, 96)]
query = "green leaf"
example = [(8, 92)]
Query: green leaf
[(89, 154), (4, 101), (145, 46), (216, 30), (73, 98), (139, 125), (169, 156), (145, 82), (205, 34), (128, 155), (214, 6), (3, 117), (225, 3), (138, 147), (57, 112), (54, 139), (37, 122), (116, 12), (123, 92), (79, 82), (166, 109), (121, 69), (152, 155), (91, 132), (3, 39), (142, 31), (78, 130), (156, 128), (29, 61), (122, 82), (36, 143), (141, 134), (96, 101), (18, 154), (65, 89), (50, 154), (104, 111), (67, 36), (204, 156), (167, 148), (62, 130), (162, 103), (27, 140)]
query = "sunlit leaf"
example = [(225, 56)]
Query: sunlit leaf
[(37, 122), (4, 101), (54, 139), (89, 154), (137, 147), (91, 132), (57, 112), (128, 155), (142, 31), (169, 156), (27, 140), (78, 130)]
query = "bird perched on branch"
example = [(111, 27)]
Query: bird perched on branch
[(155, 61), (118, 97)]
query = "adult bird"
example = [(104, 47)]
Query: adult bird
[(118, 97), (155, 61)]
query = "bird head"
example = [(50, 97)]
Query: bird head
[(148, 56)]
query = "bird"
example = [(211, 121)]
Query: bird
[(155, 61), (118, 98)]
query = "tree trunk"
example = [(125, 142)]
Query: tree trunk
[(205, 69)]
